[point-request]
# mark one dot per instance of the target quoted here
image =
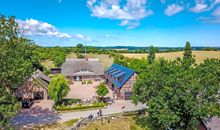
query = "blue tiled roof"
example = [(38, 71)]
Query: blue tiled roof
[(120, 71)]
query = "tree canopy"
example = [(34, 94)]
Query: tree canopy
[(18, 60), (151, 54), (179, 97), (102, 90), (58, 88)]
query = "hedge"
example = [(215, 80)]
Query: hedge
[(80, 107), (70, 101)]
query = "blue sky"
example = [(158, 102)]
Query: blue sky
[(165, 23)]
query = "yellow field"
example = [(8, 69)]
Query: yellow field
[(200, 56)]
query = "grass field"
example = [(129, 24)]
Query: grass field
[(200, 56), (127, 123)]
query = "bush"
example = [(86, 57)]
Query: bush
[(80, 56), (79, 106), (89, 82), (70, 101), (84, 82)]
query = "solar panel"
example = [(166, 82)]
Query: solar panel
[(113, 70), (116, 72), (119, 74)]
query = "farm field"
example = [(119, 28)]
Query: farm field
[(200, 56)]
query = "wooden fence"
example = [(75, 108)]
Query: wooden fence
[(84, 121)]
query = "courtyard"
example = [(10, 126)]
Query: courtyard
[(85, 91)]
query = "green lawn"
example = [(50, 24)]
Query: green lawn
[(125, 123)]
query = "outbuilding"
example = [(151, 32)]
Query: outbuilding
[(120, 80)]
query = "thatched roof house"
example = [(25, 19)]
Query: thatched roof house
[(82, 69)]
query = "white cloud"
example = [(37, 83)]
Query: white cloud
[(111, 9), (32, 27), (82, 37), (173, 9), (35, 27), (214, 18), (203, 5), (199, 8), (64, 35), (216, 14), (163, 1), (107, 35), (129, 24)]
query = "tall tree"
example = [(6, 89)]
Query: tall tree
[(17, 60), (79, 48), (187, 55), (58, 88), (179, 98), (151, 54)]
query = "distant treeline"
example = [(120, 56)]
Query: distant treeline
[(133, 49), (58, 54)]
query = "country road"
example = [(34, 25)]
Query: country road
[(112, 109), (39, 115)]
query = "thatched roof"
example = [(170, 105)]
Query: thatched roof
[(41, 75), (80, 67), (212, 123)]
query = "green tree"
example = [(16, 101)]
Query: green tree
[(9, 106), (179, 98), (18, 59), (102, 90), (58, 88), (58, 61), (188, 59), (151, 54), (139, 65), (79, 48)]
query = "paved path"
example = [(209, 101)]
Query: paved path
[(38, 115), (112, 109)]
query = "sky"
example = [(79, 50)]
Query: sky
[(162, 23)]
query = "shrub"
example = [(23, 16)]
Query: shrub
[(80, 106), (70, 101), (89, 82), (84, 82)]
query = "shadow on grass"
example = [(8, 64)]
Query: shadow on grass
[(144, 122)]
